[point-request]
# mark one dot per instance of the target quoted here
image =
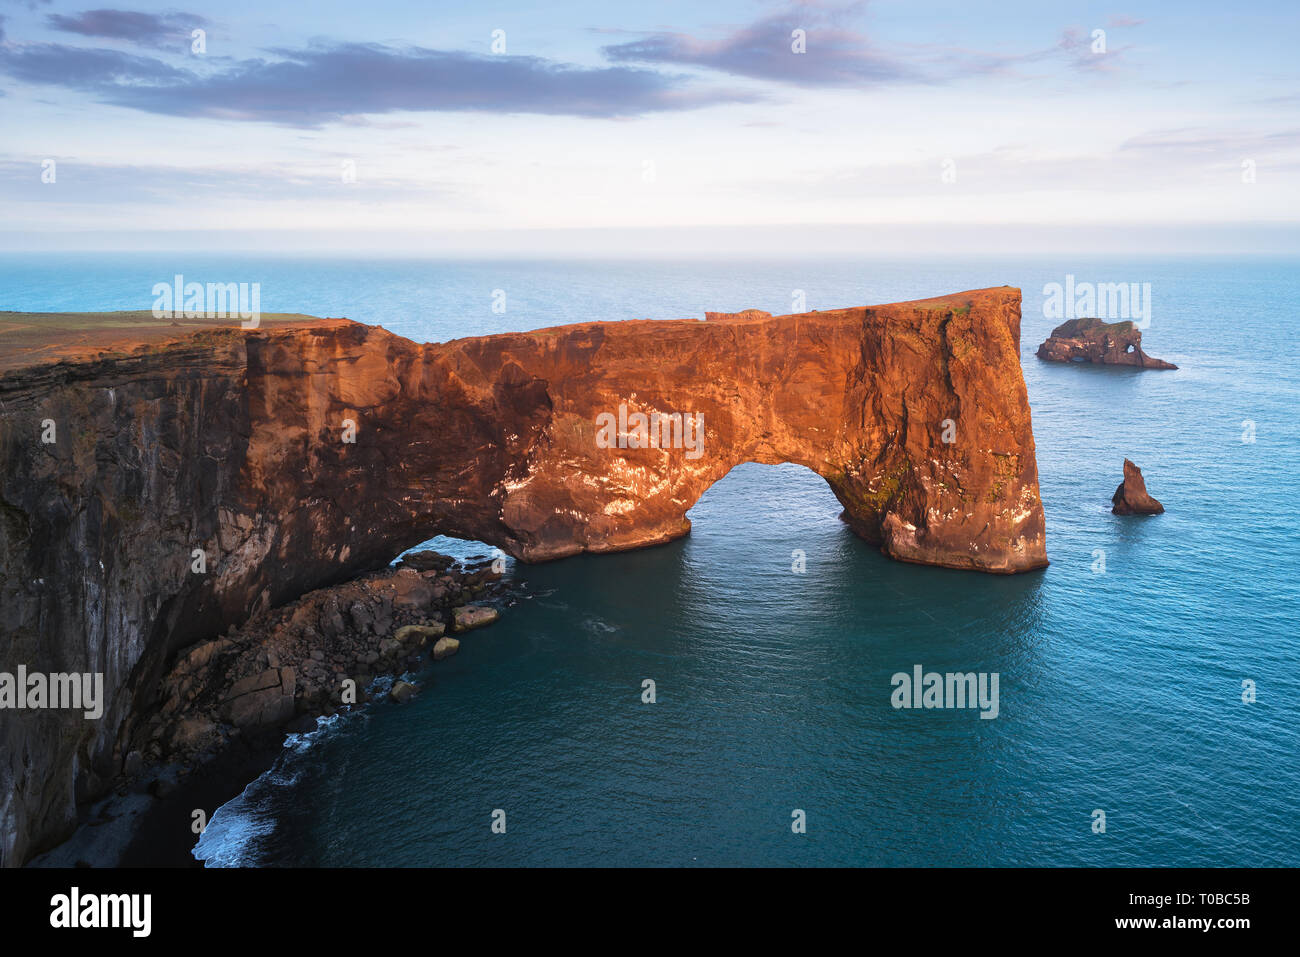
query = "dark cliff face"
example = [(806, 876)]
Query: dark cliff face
[(294, 458), (95, 539), (1105, 343)]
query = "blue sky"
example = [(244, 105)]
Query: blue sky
[(340, 120)]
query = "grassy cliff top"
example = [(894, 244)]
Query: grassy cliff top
[(1087, 327), (32, 338)]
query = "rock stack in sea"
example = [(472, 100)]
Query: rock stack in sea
[(1131, 497), (1105, 343)]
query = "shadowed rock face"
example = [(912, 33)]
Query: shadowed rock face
[(1131, 497), (232, 442), (1106, 343)]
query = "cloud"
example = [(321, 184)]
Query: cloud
[(329, 83), (326, 82), (1200, 142), (839, 56), (85, 69), (1184, 158), (835, 55), (1077, 46), (146, 29)]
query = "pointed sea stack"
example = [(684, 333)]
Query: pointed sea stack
[(1131, 496)]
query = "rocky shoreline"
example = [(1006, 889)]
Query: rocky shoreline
[(226, 704)]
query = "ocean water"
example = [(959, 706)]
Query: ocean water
[(1120, 690)]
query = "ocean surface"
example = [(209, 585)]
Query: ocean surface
[(1120, 689)]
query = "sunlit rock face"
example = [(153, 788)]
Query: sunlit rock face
[(296, 456), (915, 414)]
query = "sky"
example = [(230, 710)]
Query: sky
[(623, 126)]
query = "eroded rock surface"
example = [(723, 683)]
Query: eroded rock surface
[(1106, 343)]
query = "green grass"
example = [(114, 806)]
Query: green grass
[(131, 319)]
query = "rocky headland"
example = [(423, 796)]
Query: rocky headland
[(1105, 343), (161, 485)]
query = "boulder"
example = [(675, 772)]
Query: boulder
[(267, 706), (192, 734), (482, 575), (305, 614), (331, 622), (419, 633), (426, 560), (445, 647), (383, 616), (266, 679), (467, 617), (411, 593), (200, 655), (402, 691), (362, 618)]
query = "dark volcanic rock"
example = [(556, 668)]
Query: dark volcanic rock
[(1106, 343), (426, 561), (274, 669), (1131, 496)]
